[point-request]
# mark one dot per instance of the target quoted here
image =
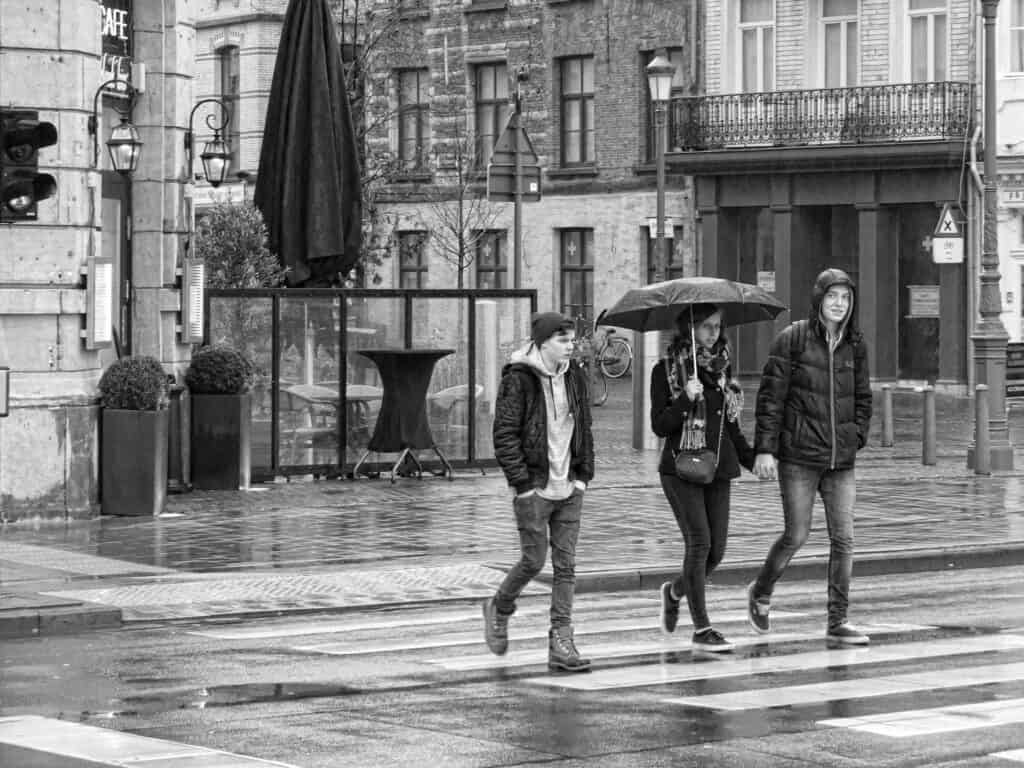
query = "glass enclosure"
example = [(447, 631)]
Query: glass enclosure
[(313, 415)]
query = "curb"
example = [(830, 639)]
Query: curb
[(30, 615), (875, 563)]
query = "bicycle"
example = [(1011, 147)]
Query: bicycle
[(611, 359)]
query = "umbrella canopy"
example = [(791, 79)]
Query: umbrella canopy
[(655, 307), (308, 186)]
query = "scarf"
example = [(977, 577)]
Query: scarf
[(679, 366)]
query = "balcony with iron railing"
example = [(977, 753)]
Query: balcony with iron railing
[(895, 114)]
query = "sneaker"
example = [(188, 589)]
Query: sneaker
[(495, 628), (669, 609), (757, 611), (562, 653), (711, 640), (846, 634)]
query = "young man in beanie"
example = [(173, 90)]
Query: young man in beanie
[(813, 414), (543, 442)]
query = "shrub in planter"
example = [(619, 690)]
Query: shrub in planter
[(219, 379), (133, 437)]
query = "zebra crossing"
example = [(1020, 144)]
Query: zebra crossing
[(965, 680)]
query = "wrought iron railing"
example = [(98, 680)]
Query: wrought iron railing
[(868, 114)]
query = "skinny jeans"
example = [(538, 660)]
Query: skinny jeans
[(702, 514)]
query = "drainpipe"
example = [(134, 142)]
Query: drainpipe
[(974, 216)]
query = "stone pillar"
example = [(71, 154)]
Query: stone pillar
[(878, 289), (50, 63), (165, 43)]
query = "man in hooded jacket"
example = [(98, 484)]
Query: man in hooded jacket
[(543, 442), (813, 413)]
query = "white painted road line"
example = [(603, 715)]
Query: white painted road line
[(110, 747), (928, 722), (534, 632), (726, 666), (868, 687), (1016, 755), (532, 656)]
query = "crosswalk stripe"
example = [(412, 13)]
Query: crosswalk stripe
[(838, 690), (928, 722), (532, 656), (1017, 755), (76, 743), (725, 666), (419, 642)]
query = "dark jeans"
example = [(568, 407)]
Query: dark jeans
[(535, 517), (799, 485), (702, 513)]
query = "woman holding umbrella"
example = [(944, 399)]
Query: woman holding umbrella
[(695, 402)]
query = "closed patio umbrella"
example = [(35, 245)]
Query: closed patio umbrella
[(308, 186)]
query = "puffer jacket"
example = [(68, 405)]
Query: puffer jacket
[(668, 416), (814, 403), (521, 427)]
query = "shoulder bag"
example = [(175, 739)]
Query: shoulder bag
[(698, 465)]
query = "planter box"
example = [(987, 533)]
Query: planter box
[(221, 437), (133, 462)]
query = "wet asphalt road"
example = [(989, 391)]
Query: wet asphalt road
[(415, 686)]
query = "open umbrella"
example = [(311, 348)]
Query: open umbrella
[(308, 185), (655, 307)]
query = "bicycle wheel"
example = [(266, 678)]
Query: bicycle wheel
[(616, 358)]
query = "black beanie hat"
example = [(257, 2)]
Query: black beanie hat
[(544, 325)]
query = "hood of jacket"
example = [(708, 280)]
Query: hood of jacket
[(529, 357), (826, 280)]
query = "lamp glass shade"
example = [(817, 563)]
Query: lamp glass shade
[(659, 78), (125, 146), (216, 161)]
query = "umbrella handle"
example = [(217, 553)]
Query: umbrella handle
[(693, 343)]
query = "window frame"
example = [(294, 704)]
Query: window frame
[(843, 21), (421, 109), (1016, 40), (228, 58), (421, 267), (578, 100), (498, 269), (941, 8), (494, 111), (584, 270), (762, 29)]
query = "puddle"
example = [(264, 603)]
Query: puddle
[(227, 696)]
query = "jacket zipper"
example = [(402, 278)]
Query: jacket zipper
[(831, 398)]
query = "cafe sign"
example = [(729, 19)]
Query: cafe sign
[(116, 24)]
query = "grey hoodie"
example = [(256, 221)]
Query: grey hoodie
[(561, 422)]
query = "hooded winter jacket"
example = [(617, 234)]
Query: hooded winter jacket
[(521, 425), (814, 402)]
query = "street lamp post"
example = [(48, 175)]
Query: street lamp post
[(989, 335), (659, 79)]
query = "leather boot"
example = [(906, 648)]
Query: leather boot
[(562, 653)]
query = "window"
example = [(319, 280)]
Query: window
[(413, 119), (674, 249), (227, 80), (491, 108), (412, 260), (928, 50), (577, 262), (839, 42), (1017, 37), (675, 55), (577, 111), (491, 259), (757, 45)]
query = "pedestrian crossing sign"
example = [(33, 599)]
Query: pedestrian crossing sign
[(947, 226)]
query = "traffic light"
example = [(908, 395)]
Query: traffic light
[(21, 184)]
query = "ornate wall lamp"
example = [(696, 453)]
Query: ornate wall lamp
[(216, 157), (124, 143)]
